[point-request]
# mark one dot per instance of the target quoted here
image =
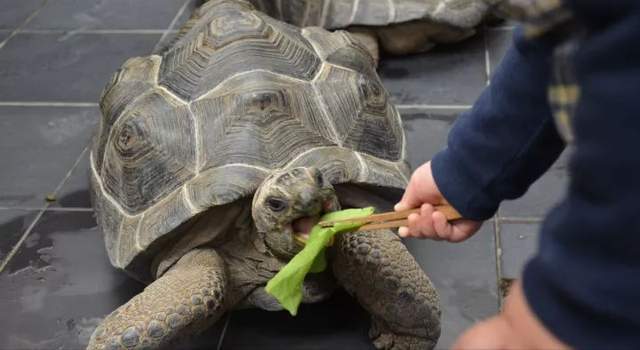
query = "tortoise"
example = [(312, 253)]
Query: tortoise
[(398, 27), (213, 160)]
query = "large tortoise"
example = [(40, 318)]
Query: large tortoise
[(397, 26), (213, 161)]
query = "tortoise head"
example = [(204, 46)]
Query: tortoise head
[(288, 204)]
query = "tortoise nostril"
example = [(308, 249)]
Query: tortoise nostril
[(319, 178), (307, 197)]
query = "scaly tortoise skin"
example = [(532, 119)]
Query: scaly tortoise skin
[(208, 158), (397, 26)]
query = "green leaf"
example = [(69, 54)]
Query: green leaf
[(319, 263), (286, 285)]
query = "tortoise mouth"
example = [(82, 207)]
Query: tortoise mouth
[(301, 227)]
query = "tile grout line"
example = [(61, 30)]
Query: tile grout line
[(487, 56), (501, 28), (96, 31), (47, 104), (428, 106), (26, 21), (70, 209), (429, 115), (496, 219), (498, 239), (171, 25), (224, 332), (164, 32), (521, 220), (27, 232)]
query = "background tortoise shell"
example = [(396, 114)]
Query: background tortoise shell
[(237, 95), (336, 14)]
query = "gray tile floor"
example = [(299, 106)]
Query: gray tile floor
[(55, 56)]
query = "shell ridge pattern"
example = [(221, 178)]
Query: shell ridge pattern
[(265, 170), (270, 146), (403, 144), (325, 13), (364, 170), (305, 153), (354, 11), (392, 11), (231, 79), (323, 108), (323, 102), (354, 125), (117, 118), (118, 121), (143, 120), (172, 94), (107, 195), (188, 200), (363, 166), (136, 241), (232, 41), (279, 7), (138, 245), (404, 176), (441, 7), (307, 10), (197, 138), (156, 68), (316, 49), (316, 89)]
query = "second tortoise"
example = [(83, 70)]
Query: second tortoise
[(396, 27)]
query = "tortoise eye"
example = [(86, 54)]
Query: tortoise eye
[(276, 204)]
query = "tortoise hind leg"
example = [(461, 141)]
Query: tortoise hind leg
[(418, 36), (377, 269), (185, 300)]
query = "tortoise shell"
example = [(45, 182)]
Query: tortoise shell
[(236, 97), (337, 14)]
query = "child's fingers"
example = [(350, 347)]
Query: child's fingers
[(442, 226), (421, 226), (413, 219), (425, 223), (463, 229), (409, 199), (457, 232)]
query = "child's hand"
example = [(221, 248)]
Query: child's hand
[(516, 327), (423, 192)]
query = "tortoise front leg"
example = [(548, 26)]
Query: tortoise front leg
[(185, 300), (377, 269)]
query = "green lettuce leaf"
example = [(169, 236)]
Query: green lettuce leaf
[(286, 285)]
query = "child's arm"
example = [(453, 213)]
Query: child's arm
[(494, 152), (507, 141)]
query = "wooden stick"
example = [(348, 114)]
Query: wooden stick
[(394, 219), (388, 224)]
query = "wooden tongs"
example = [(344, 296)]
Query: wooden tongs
[(393, 219)]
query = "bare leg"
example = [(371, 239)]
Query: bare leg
[(378, 270), (185, 300)]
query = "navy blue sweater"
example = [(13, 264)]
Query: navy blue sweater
[(584, 282)]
